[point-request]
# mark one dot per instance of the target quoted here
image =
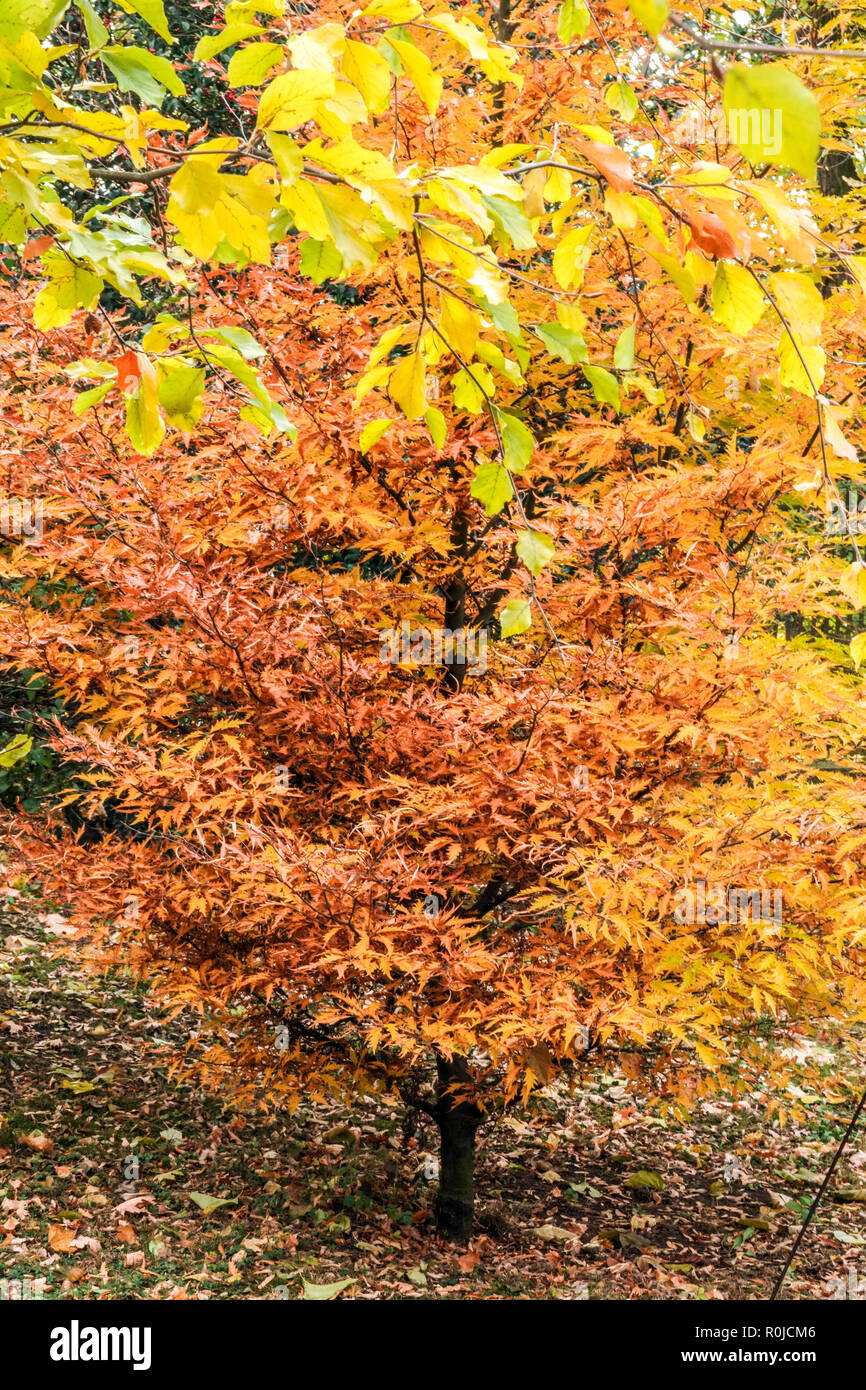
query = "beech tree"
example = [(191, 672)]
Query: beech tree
[(434, 467)]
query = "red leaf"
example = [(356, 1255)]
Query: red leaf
[(128, 369)]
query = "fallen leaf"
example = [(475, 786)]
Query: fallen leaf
[(644, 1180), (209, 1204), (319, 1293), (40, 1142), (555, 1233), (61, 1239)]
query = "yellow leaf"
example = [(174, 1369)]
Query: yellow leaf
[(398, 11), (70, 287), (367, 70), (833, 436), (738, 301), (853, 584), (250, 66), (372, 433), (427, 83), (293, 98), (801, 370), (516, 617), (406, 386), (800, 301), (792, 225), (209, 207), (571, 256), (460, 325)]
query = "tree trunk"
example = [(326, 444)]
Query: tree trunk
[(458, 1118)]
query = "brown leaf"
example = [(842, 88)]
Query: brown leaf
[(133, 1204), (40, 1142), (126, 1233), (60, 1238), (540, 1062)]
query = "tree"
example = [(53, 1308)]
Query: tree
[(415, 591)]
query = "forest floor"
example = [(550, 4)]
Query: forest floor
[(117, 1181)]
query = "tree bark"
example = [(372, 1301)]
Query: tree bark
[(458, 1118)]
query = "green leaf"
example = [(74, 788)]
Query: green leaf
[(250, 66), (738, 301), (605, 386), (146, 74), (85, 399), (210, 44), (516, 617), (772, 117), (492, 486), (180, 396), (467, 392), (512, 224), (320, 1293), (644, 1180), (535, 550), (517, 441), (573, 21), (623, 353), (563, 342), (152, 13), (209, 1204), (16, 749), (320, 260), (239, 338), (97, 34)]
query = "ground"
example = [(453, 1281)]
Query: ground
[(118, 1181)]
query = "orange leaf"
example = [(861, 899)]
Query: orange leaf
[(126, 1233), (60, 1238), (128, 369), (35, 247), (612, 162), (711, 235)]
